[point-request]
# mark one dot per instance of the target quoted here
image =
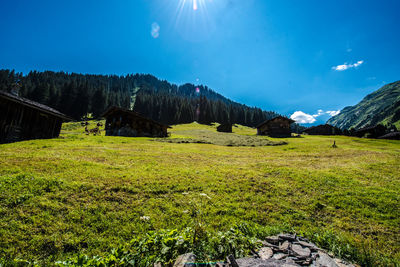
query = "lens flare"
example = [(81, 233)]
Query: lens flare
[(155, 30), (194, 4)]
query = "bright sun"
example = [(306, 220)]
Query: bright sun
[(193, 17), (195, 4)]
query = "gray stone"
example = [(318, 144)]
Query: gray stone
[(308, 245), (273, 240), (342, 263), (287, 237), (267, 244), (279, 256), (314, 255), (265, 253), (288, 250), (325, 261), (300, 238), (284, 246), (300, 251), (290, 260), (256, 262), (183, 259), (307, 261)]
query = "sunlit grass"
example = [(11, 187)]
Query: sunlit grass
[(86, 194)]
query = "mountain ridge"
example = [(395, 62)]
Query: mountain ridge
[(379, 107)]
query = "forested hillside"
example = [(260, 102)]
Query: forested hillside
[(79, 94), (379, 107)]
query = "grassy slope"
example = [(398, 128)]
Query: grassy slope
[(377, 107), (87, 193)]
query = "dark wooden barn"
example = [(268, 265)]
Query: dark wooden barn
[(124, 122), (276, 127), (323, 129), (371, 132), (225, 128), (391, 136), (23, 119)]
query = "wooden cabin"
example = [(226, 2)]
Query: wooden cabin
[(225, 128), (371, 132), (323, 129), (124, 122), (276, 127), (24, 119), (391, 136)]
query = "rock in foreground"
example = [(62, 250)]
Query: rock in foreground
[(284, 250)]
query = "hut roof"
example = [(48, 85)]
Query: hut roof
[(391, 135), (32, 104), (114, 109), (280, 117)]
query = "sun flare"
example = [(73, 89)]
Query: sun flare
[(193, 4)]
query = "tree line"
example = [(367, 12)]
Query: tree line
[(76, 95), (174, 109)]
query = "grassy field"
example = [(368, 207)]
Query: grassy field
[(87, 194)]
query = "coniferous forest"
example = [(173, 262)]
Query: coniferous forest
[(76, 95)]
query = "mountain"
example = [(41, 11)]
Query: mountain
[(79, 94), (379, 107)]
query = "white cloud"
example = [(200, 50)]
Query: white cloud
[(320, 112), (333, 112), (346, 66), (301, 117)]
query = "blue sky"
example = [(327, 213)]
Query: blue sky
[(308, 57)]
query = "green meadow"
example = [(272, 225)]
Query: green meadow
[(87, 195)]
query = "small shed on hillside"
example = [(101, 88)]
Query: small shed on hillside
[(24, 119), (323, 129), (276, 127), (371, 132), (124, 122), (225, 128)]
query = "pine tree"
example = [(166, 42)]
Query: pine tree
[(98, 103)]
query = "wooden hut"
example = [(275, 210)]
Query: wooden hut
[(371, 132), (225, 128), (23, 119), (276, 127), (323, 129), (124, 122), (391, 136)]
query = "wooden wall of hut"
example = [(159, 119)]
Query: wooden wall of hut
[(275, 128), (19, 122), (225, 128), (123, 124)]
